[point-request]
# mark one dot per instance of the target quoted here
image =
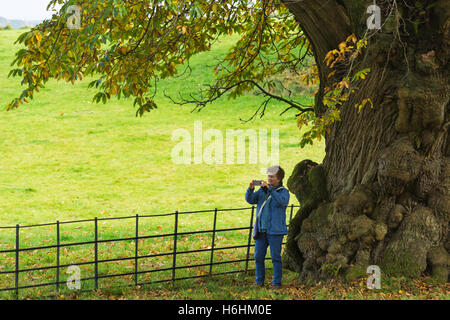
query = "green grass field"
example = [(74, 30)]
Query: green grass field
[(63, 157)]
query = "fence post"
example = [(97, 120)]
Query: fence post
[(212, 243), (249, 239), (96, 253), (57, 256), (136, 252), (16, 280), (174, 263), (290, 217)]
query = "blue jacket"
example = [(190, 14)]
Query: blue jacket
[(277, 207)]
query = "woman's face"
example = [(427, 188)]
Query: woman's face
[(273, 180)]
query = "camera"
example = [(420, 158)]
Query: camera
[(257, 182)]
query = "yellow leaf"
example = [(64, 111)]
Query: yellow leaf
[(344, 83), (352, 38), (122, 50), (114, 89), (38, 37)]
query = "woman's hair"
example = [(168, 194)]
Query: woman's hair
[(276, 170)]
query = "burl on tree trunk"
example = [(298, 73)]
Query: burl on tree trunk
[(382, 194)]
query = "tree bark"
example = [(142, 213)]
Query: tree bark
[(382, 194)]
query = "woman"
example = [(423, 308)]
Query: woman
[(270, 225)]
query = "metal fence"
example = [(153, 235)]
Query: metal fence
[(96, 277)]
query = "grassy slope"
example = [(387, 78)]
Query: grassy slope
[(63, 157)]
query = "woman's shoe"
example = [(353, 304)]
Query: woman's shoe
[(275, 286)]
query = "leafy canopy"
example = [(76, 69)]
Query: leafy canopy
[(128, 45)]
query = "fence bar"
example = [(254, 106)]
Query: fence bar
[(175, 246), (212, 242), (249, 240), (96, 253), (16, 280), (119, 239), (57, 256), (292, 209), (59, 267), (136, 248)]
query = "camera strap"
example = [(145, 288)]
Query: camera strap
[(258, 215)]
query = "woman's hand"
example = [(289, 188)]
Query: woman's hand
[(264, 186), (251, 186)]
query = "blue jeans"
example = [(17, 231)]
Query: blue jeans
[(275, 242)]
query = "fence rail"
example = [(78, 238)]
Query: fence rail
[(135, 257)]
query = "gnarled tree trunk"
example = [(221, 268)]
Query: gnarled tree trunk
[(382, 194)]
